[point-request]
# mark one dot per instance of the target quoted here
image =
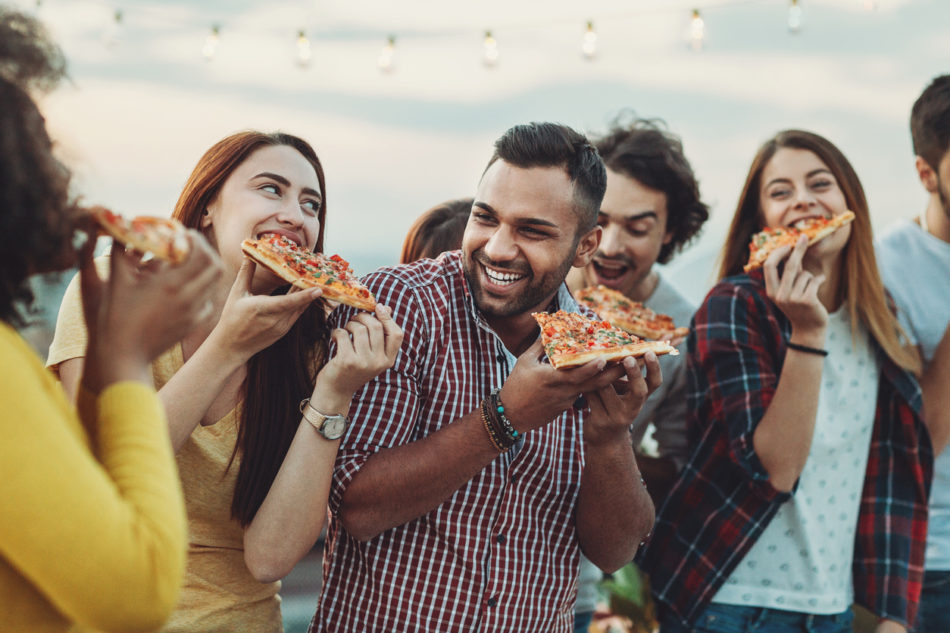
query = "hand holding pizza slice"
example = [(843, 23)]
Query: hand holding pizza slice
[(571, 339), (766, 242)]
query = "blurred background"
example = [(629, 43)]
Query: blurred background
[(402, 100)]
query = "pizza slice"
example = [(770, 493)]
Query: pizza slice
[(306, 269), (765, 242), (629, 315), (571, 339), (164, 238)]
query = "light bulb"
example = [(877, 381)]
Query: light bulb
[(385, 60), (304, 54), (490, 53), (589, 43), (211, 43), (110, 36), (697, 31), (794, 17)]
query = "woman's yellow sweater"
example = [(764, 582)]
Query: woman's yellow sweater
[(92, 522)]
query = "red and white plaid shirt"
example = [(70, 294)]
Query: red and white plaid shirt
[(501, 554)]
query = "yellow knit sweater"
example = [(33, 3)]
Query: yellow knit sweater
[(91, 536)]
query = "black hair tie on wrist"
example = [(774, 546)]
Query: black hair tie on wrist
[(807, 350)]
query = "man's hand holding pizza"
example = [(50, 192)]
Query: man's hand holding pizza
[(535, 392), (614, 407)]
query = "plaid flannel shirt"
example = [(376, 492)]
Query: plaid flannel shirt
[(501, 554), (723, 499)]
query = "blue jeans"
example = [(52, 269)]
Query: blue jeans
[(728, 618), (582, 621), (934, 615)]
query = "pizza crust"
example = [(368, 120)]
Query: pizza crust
[(660, 348), (281, 269), (757, 257), (164, 238)]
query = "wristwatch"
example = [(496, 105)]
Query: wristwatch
[(331, 427)]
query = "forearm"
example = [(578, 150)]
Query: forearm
[(402, 483), (188, 395), (659, 473), (934, 385), (614, 511), (783, 437), (290, 518)]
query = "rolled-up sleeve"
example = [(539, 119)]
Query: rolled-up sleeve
[(384, 412)]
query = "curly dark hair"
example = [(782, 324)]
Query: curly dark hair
[(645, 150), (36, 211)]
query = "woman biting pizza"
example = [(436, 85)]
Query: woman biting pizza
[(807, 486), (255, 402)]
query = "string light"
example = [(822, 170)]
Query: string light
[(304, 53), (589, 43), (211, 43), (111, 35), (697, 31), (490, 52), (794, 17), (385, 60)]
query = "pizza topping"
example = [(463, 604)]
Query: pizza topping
[(814, 227), (631, 316), (305, 268), (569, 339), (164, 238)]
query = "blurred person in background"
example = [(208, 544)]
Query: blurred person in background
[(437, 230), (651, 209), (915, 264)]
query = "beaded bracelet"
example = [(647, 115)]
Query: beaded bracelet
[(499, 408), (806, 349), (488, 429)]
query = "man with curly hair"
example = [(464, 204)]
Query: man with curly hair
[(650, 211)]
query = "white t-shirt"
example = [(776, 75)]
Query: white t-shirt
[(915, 267), (802, 561)]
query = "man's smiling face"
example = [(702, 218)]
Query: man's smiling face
[(521, 238)]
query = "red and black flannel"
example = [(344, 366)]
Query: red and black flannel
[(723, 499)]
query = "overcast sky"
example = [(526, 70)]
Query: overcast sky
[(144, 103)]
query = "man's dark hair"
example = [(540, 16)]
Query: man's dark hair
[(930, 121), (556, 145), (644, 150)]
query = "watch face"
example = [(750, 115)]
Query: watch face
[(334, 426)]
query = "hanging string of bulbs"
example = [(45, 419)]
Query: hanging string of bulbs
[(386, 60)]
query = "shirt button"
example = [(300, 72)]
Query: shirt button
[(492, 601), (514, 479), (500, 358), (501, 539)]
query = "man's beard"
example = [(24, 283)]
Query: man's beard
[(535, 292)]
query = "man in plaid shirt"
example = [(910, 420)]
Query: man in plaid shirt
[(432, 528)]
